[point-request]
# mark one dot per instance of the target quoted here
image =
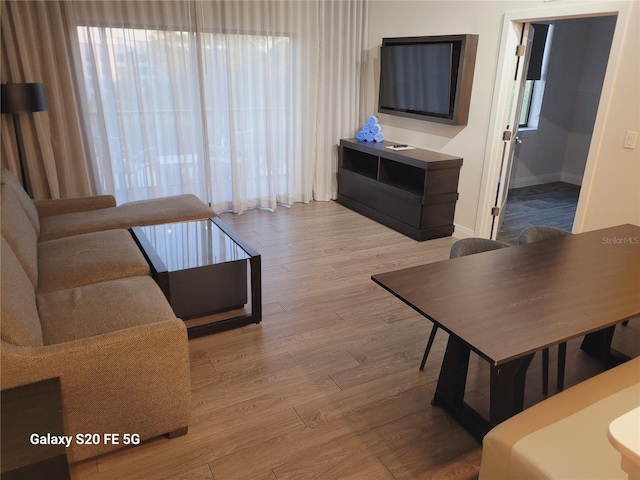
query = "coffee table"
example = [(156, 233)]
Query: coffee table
[(508, 304), (201, 267)]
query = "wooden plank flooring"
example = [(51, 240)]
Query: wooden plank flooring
[(328, 386)]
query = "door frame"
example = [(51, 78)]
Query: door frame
[(502, 99)]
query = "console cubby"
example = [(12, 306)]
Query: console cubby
[(405, 177), (361, 163), (412, 191)]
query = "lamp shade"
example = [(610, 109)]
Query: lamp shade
[(23, 98)]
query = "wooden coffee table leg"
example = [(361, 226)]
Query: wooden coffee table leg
[(256, 288)]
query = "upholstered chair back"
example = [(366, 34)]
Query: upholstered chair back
[(471, 246), (539, 233)]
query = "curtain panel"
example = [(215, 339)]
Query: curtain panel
[(239, 102), (35, 49)]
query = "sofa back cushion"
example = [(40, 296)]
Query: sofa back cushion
[(19, 233), (8, 178), (20, 323)]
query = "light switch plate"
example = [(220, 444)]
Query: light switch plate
[(630, 140)]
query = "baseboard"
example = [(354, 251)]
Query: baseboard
[(571, 178), (535, 180), (463, 232), (548, 178)]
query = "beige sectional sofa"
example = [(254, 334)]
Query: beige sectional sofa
[(565, 436), (77, 302)]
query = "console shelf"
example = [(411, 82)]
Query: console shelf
[(412, 191)]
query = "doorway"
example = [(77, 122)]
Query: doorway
[(502, 103), (556, 125)]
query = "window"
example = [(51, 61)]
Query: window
[(525, 112), (535, 83), (163, 118), (239, 103)]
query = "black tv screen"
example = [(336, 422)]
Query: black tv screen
[(420, 77)]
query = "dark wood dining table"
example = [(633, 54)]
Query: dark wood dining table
[(505, 305)]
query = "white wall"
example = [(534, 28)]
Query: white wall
[(614, 175), (395, 18), (599, 34)]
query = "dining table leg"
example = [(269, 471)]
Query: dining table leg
[(450, 390), (507, 389), (453, 374), (507, 383), (598, 344)]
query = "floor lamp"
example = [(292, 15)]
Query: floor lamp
[(20, 98)]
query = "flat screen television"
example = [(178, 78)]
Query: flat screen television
[(428, 78)]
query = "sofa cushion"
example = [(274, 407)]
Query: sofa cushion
[(19, 233), (89, 258), (90, 310), (8, 178), (61, 206), (18, 311), (178, 208)]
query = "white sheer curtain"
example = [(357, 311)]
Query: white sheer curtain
[(239, 102)]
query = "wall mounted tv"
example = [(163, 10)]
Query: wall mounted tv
[(428, 78)]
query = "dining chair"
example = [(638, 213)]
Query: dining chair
[(466, 246), (536, 234), (540, 232)]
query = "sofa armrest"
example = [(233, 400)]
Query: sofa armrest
[(47, 208), (133, 381)]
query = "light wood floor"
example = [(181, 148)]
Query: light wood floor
[(328, 386)]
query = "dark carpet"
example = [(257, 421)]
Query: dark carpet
[(553, 204)]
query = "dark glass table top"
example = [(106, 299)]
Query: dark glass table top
[(185, 245)]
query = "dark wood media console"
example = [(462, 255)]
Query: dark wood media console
[(412, 191)]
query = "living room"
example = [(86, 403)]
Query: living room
[(327, 386)]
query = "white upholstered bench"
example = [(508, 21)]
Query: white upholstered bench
[(565, 436)]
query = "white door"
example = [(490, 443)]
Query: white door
[(510, 138)]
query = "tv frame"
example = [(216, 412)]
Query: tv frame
[(459, 114)]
